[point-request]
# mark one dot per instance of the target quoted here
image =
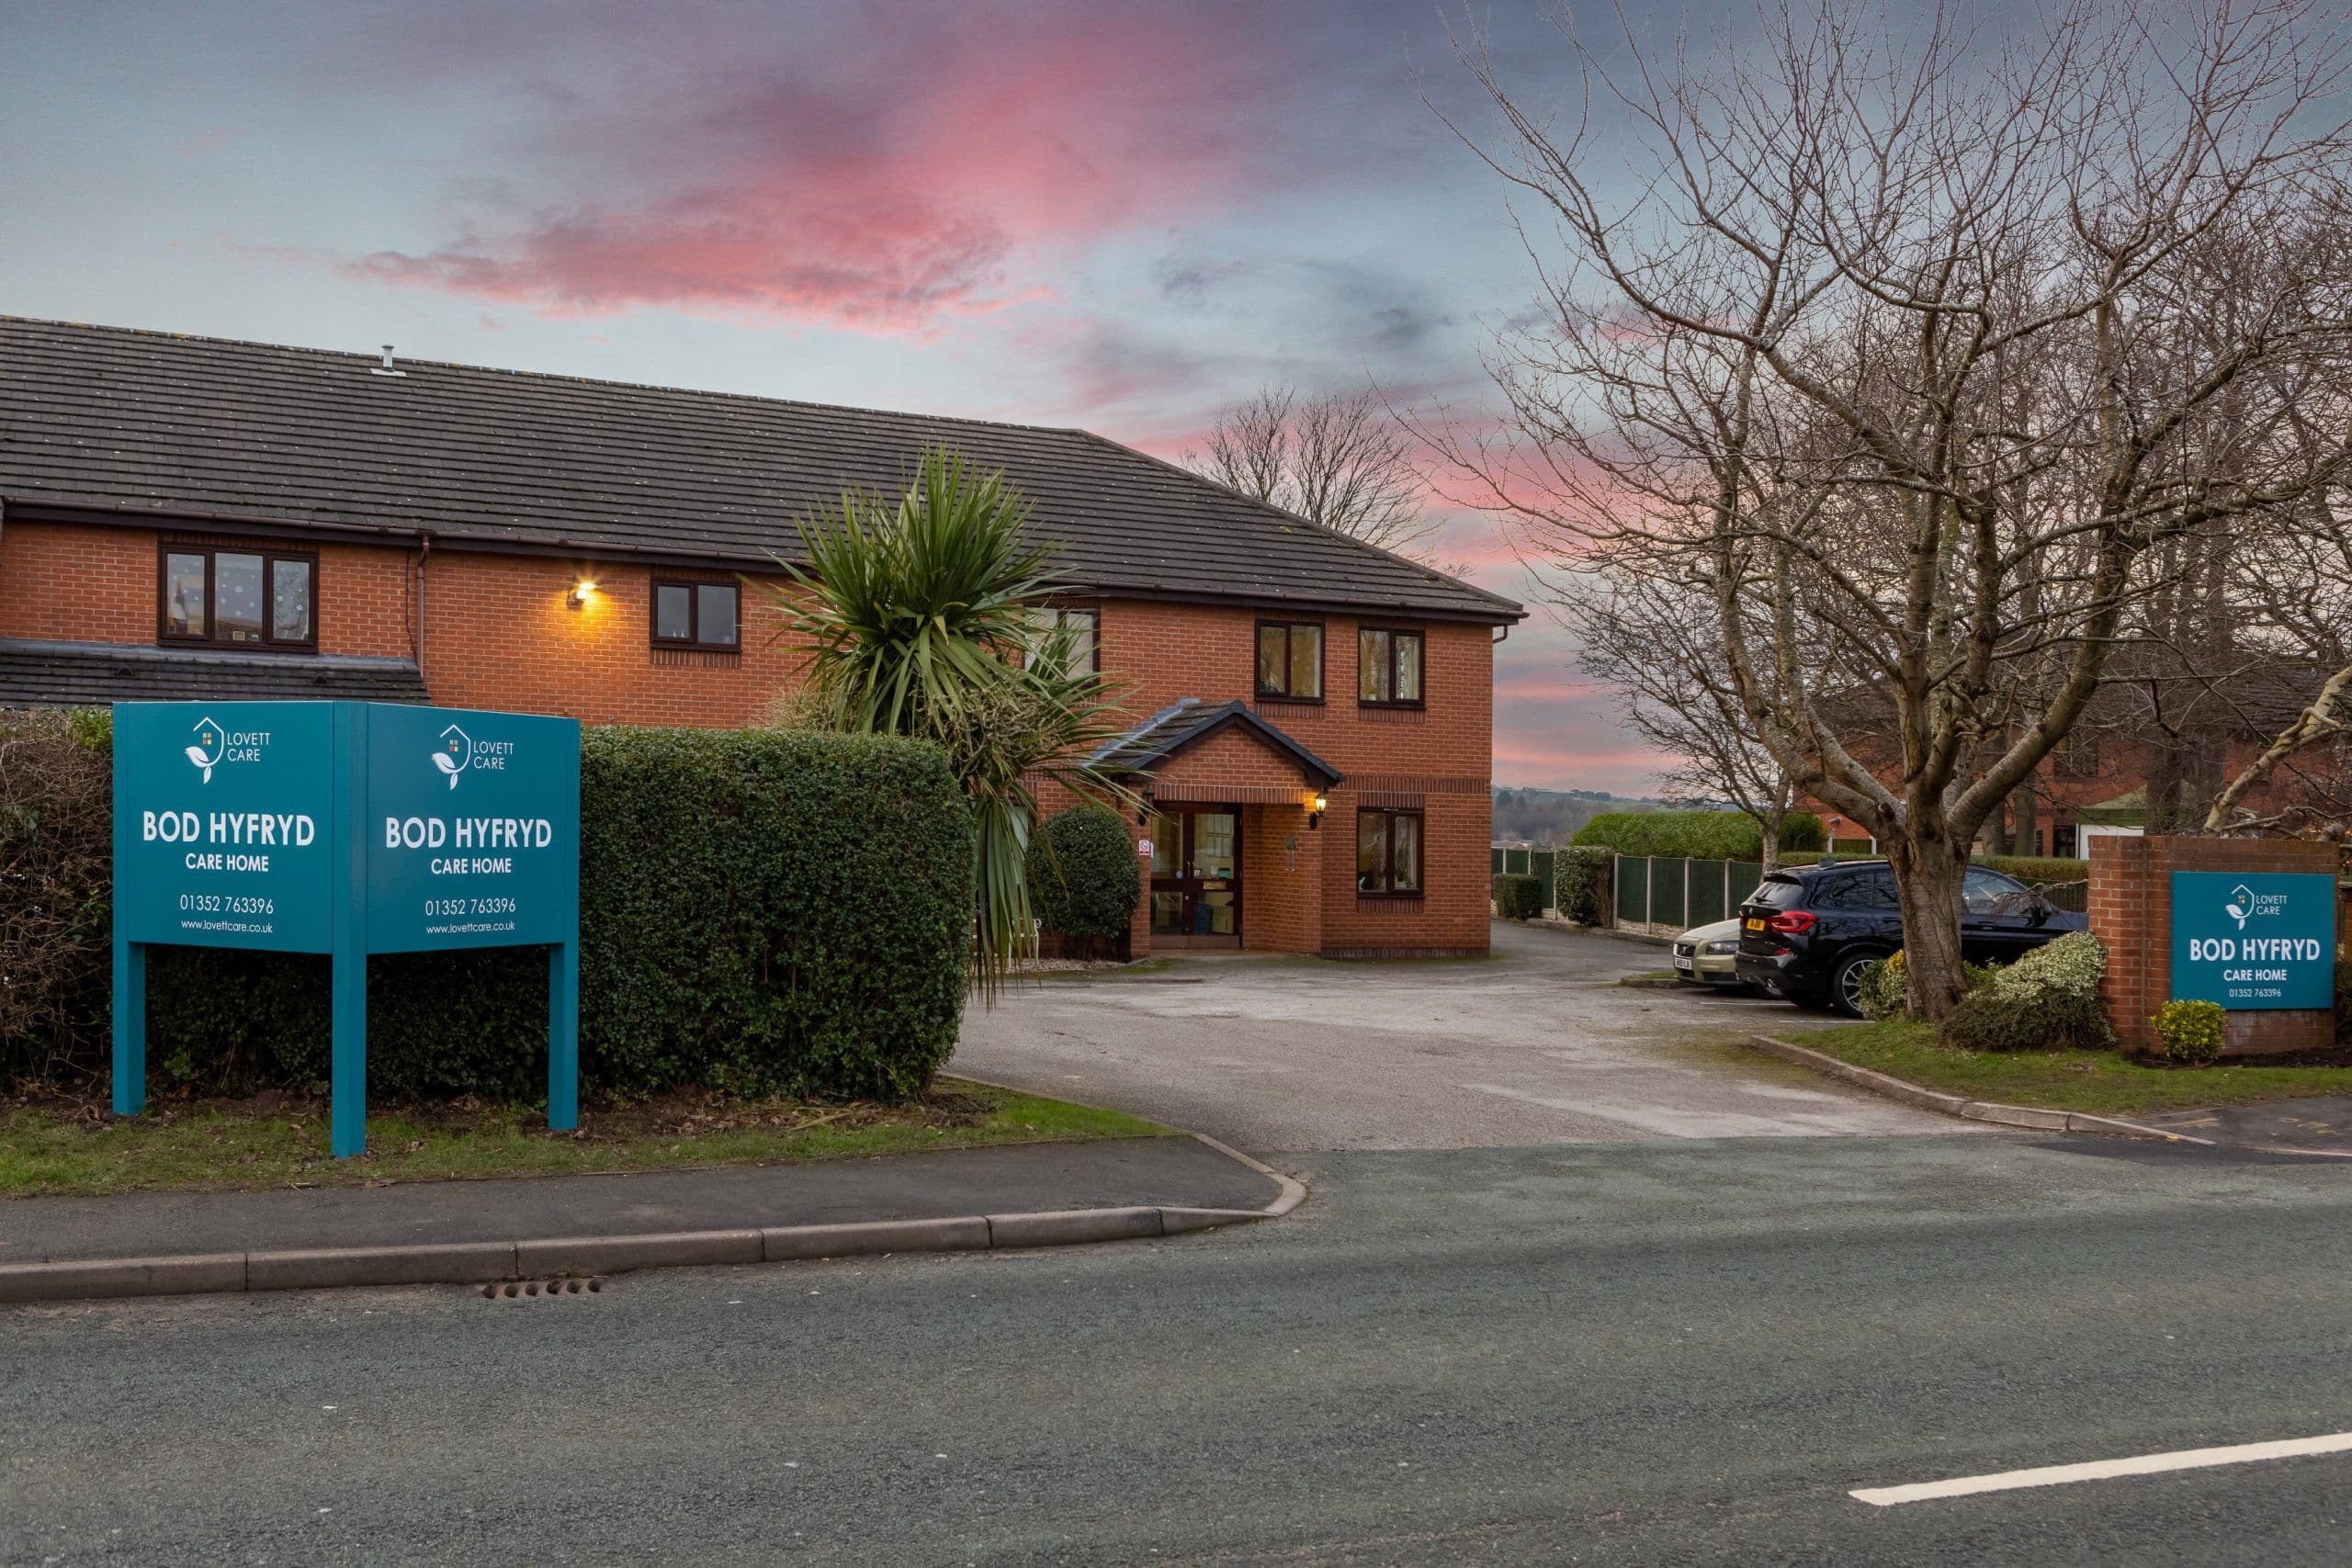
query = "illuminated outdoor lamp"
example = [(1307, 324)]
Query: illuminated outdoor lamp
[(581, 591), (1318, 804)]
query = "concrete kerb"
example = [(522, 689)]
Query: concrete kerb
[(1967, 1110), (488, 1262)]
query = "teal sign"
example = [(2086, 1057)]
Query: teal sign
[(2252, 941), (345, 828)]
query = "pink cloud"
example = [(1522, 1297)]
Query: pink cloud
[(884, 193)]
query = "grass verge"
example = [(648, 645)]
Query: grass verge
[(55, 1147), (2102, 1083)]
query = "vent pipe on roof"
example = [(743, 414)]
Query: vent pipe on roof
[(386, 367)]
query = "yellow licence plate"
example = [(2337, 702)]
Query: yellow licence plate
[(1754, 924)]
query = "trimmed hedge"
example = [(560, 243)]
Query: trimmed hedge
[(2042, 870), (1699, 835), (760, 911), (2046, 1000), (1518, 896), (1578, 878), (1085, 879)]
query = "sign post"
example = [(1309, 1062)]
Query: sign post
[(347, 828), (2254, 941)]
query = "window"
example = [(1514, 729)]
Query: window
[(1388, 668), (1860, 890), (1081, 628), (236, 598), (1388, 853), (698, 615), (1988, 893), (1290, 661)]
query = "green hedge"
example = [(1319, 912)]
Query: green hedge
[(1085, 879), (1579, 883), (1518, 896), (759, 911), (1699, 835)]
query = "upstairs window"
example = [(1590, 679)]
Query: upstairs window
[(238, 598), (698, 615), (1290, 661), (1388, 668), (1077, 630)]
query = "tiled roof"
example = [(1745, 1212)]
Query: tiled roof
[(95, 674), (1187, 722), (112, 419)]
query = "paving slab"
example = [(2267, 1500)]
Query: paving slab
[(1020, 1179)]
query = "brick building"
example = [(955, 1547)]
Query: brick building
[(184, 517)]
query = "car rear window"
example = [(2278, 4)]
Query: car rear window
[(1775, 893)]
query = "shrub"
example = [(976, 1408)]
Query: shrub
[(1579, 883), (56, 888), (2188, 1033), (1083, 876), (1700, 835), (1884, 983), (2343, 1000), (759, 911), (2046, 1000), (2034, 870), (1518, 896)]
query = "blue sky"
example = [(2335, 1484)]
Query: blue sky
[(1121, 217)]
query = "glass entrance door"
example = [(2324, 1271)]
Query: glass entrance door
[(1196, 879)]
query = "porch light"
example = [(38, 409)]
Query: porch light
[(1317, 804), (581, 591)]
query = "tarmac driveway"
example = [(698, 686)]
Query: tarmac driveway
[(1536, 1044)]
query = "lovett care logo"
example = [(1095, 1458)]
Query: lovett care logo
[(2245, 904), (216, 744), (206, 752), (457, 752)]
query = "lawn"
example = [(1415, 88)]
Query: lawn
[(2099, 1082), (56, 1146)]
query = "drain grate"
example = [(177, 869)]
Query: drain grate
[(528, 1289)]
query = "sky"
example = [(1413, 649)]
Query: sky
[(1119, 216)]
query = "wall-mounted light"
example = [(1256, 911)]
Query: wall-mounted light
[(581, 591), (1316, 805)]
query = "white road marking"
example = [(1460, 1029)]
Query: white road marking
[(2106, 1469)]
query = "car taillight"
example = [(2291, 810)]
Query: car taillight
[(1790, 923)]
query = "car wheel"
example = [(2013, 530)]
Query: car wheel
[(1845, 985)]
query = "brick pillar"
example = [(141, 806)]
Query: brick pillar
[(2130, 913)]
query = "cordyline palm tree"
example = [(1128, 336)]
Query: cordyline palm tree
[(919, 619)]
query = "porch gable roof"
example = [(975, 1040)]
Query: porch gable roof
[(1186, 723)]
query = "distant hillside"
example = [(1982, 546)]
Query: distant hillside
[(1543, 816)]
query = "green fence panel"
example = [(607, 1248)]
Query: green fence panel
[(1494, 862), (1632, 890), (1665, 891), (1706, 892), (1746, 877), (1544, 863), (1515, 862)]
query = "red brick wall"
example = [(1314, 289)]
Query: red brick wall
[(70, 584), (497, 633), (2130, 913)]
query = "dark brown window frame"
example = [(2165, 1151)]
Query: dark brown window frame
[(212, 551), (1093, 611), (693, 614), (1419, 635), (1421, 838), (1322, 660)]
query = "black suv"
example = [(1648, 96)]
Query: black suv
[(1806, 931)]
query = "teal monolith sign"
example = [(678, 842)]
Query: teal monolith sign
[(2253, 939), (345, 828)]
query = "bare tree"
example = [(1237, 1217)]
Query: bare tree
[(1658, 649), (1905, 353), (1335, 459)]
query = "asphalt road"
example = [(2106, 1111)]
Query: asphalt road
[(1673, 1352), (1538, 1044)]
